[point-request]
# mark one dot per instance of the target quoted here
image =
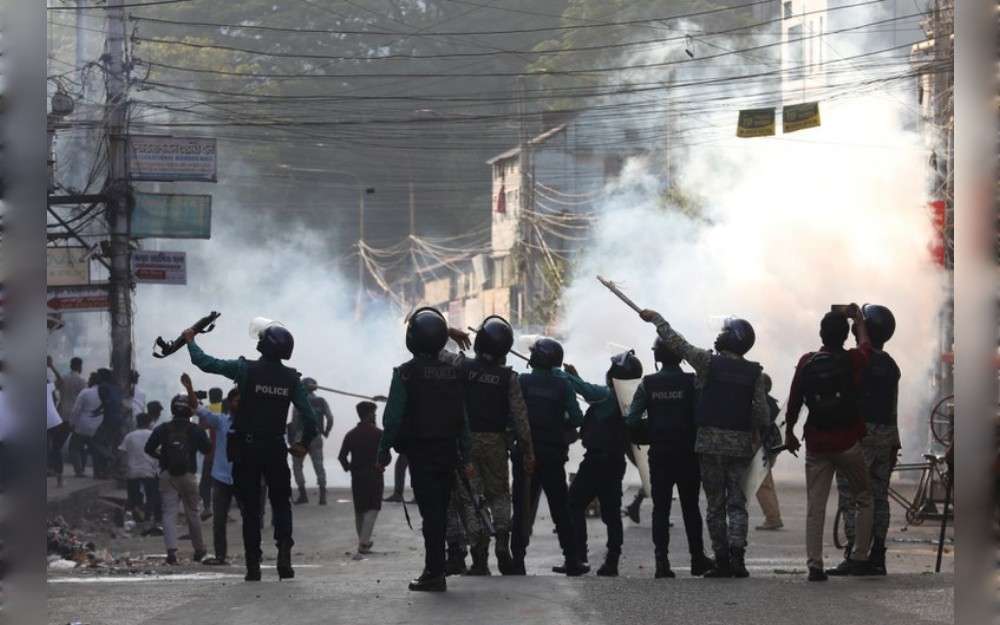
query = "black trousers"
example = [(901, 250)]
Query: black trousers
[(399, 475), (222, 498), (600, 475), (669, 467), (267, 460), (145, 493), (431, 483), (549, 476)]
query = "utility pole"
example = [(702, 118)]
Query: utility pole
[(524, 205), (120, 281), (359, 308)]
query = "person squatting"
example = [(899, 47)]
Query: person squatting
[(484, 442)]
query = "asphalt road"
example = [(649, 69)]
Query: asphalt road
[(330, 587)]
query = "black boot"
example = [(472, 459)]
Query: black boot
[(701, 564), (517, 567), (302, 497), (502, 550), (877, 558), (429, 583), (844, 568), (394, 498), (480, 561), (572, 568), (610, 566), (322, 496), (721, 568), (663, 569), (253, 568), (632, 510), (285, 570), (456, 560), (737, 562)]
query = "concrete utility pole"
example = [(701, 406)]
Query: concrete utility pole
[(525, 204), (116, 86)]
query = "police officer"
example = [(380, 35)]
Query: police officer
[(552, 413), (257, 446), (878, 396), (425, 418), (732, 407), (603, 467), (668, 398), (495, 404), (322, 411)]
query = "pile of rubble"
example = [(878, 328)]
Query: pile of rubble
[(72, 548)]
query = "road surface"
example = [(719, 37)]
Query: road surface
[(331, 588)]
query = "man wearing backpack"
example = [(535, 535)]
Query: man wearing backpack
[(828, 381), (175, 445)]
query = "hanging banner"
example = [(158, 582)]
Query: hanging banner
[(171, 216), (799, 117), (67, 266), (159, 267), (172, 159), (755, 123), (85, 298)]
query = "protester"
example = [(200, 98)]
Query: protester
[(827, 382), (155, 410), (110, 431), (731, 409), (359, 456), (219, 424), (176, 445), (134, 404), (267, 388), (767, 495), (322, 410), (552, 408), (58, 429), (207, 462), (425, 417), (878, 399), (68, 386), (603, 468), (669, 398), (87, 416), (142, 472)]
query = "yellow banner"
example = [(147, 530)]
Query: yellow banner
[(800, 117), (756, 123)]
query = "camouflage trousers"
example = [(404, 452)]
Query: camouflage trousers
[(727, 517), (880, 461), (492, 483)]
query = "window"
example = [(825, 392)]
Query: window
[(796, 49), (787, 9)]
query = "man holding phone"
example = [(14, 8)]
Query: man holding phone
[(828, 382)]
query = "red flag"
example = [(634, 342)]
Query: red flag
[(502, 200)]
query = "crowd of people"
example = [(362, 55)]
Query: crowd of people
[(482, 443)]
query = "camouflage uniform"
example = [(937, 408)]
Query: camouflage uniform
[(724, 454), (879, 447)]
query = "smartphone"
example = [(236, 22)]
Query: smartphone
[(848, 310), (201, 394)]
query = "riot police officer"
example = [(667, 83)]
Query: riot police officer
[(732, 406), (552, 411), (603, 468), (495, 404), (257, 444), (668, 398), (425, 418), (878, 395)]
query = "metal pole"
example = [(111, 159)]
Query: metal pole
[(118, 207)]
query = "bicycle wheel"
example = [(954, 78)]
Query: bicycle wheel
[(942, 420), (839, 530)]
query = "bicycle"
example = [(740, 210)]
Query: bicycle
[(918, 508)]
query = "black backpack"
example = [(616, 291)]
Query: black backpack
[(176, 448), (827, 387)]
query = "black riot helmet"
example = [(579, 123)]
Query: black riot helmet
[(880, 322), (737, 336), (663, 354), (180, 408), (275, 343), (546, 353), (494, 338), (625, 366), (426, 332)]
